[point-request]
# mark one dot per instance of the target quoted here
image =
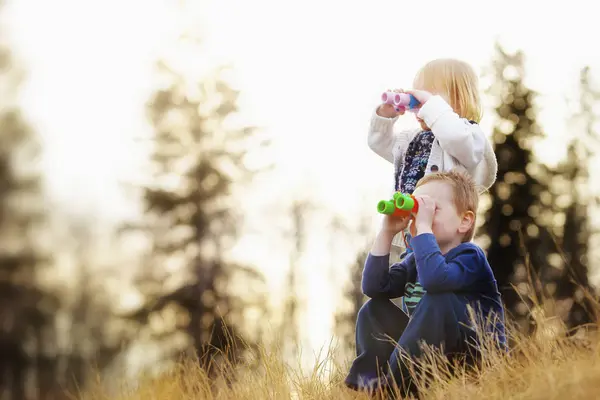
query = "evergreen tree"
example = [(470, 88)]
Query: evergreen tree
[(26, 309), (192, 218), (519, 243), (574, 200)]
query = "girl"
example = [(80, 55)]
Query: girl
[(449, 137)]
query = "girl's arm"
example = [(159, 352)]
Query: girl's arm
[(381, 136), (460, 138)]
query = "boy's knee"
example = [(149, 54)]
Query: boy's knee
[(381, 315), (371, 307), (438, 321)]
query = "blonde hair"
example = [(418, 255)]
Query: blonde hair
[(457, 81), (464, 194)]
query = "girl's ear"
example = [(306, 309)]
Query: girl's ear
[(466, 222)]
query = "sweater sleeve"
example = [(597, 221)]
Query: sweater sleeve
[(460, 138), (381, 136), (382, 281), (436, 274)]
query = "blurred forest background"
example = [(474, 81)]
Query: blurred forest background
[(192, 298)]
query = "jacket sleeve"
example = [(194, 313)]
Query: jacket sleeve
[(436, 274), (460, 138), (382, 281)]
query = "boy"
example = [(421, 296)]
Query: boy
[(453, 271)]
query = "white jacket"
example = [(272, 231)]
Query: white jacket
[(458, 143)]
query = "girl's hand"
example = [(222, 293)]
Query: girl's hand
[(424, 218), (393, 224), (421, 95), (389, 110)]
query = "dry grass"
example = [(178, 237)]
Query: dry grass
[(549, 364), (545, 366)]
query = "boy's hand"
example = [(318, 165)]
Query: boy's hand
[(424, 218), (389, 110), (392, 225)]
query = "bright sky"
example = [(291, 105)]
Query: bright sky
[(310, 73)]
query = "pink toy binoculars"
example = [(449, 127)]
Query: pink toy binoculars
[(398, 100)]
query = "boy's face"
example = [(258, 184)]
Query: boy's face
[(449, 227)]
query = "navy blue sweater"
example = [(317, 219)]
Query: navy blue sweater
[(464, 270)]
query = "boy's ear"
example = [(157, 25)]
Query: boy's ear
[(467, 221), (412, 227)]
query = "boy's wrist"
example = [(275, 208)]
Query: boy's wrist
[(383, 243), (387, 234), (422, 229)]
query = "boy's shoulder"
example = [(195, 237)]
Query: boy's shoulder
[(468, 247), (475, 258)]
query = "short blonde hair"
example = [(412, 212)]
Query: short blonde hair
[(457, 81), (464, 193)]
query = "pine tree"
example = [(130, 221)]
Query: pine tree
[(26, 308), (519, 243), (192, 218), (574, 200)]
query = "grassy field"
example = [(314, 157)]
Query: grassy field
[(547, 365)]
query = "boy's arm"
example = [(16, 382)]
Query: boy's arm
[(460, 138), (437, 275), (379, 280), (382, 281)]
